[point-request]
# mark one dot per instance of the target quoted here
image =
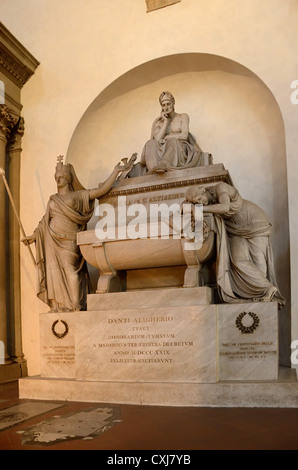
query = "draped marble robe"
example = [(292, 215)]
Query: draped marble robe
[(245, 268), (62, 271), (174, 153)]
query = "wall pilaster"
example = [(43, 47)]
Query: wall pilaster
[(8, 121)]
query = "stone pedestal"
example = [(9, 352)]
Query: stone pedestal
[(134, 337), (162, 347), (167, 344), (281, 393), (57, 344), (247, 341)]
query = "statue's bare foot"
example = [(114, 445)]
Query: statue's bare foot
[(270, 294)]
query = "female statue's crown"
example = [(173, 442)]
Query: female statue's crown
[(60, 168), (69, 173)]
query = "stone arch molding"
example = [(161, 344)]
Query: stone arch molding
[(233, 115)]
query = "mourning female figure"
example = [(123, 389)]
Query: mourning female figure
[(62, 271), (245, 268)]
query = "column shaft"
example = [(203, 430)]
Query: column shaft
[(3, 270), (8, 121), (14, 154)]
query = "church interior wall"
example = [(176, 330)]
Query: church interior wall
[(242, 115)]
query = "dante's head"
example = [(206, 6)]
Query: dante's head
[(166, 96)]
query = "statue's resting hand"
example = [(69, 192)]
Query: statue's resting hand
[(28, 240)]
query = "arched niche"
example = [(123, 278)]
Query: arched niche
[(233, 115)]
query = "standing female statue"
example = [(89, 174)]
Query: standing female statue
[(245, 268), (171, 145), (62, 271)]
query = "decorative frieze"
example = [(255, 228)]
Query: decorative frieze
[(18, 72), (16, 61)]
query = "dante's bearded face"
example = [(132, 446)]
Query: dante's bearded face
[(167, 106)]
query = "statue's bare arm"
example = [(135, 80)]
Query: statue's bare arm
[(184, 129), (223, 192)]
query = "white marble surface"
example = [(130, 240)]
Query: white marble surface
[(168, 344), (243, 355), (191, 338), (281, 394), (57, 354), (165, 337), (176, 297)]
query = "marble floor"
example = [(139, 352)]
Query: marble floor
[(53, 425)]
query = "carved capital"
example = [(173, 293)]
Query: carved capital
[(8, 122), (15, 138)]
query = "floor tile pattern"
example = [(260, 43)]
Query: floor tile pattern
[(42, 425)]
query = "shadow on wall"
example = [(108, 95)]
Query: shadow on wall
[(228, 107)]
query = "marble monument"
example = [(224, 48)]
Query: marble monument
[(175, 319)]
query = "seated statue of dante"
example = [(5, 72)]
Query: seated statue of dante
[(171, 146)]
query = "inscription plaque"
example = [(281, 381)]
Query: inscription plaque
[(147, 345), (57, 344), (248, 344), (170, 344)]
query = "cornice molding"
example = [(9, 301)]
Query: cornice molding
[(170, 185), (15, 60)]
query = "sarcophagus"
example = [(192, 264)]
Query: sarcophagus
[(141, 243)]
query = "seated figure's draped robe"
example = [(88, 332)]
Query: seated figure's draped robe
[(62, 271), (173, 152)]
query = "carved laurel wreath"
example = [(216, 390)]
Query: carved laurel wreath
[(247, 329), (206, 230), (60, 335)]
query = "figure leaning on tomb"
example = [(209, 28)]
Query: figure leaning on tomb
[(171, 145), (63, 280), (245, 268)]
